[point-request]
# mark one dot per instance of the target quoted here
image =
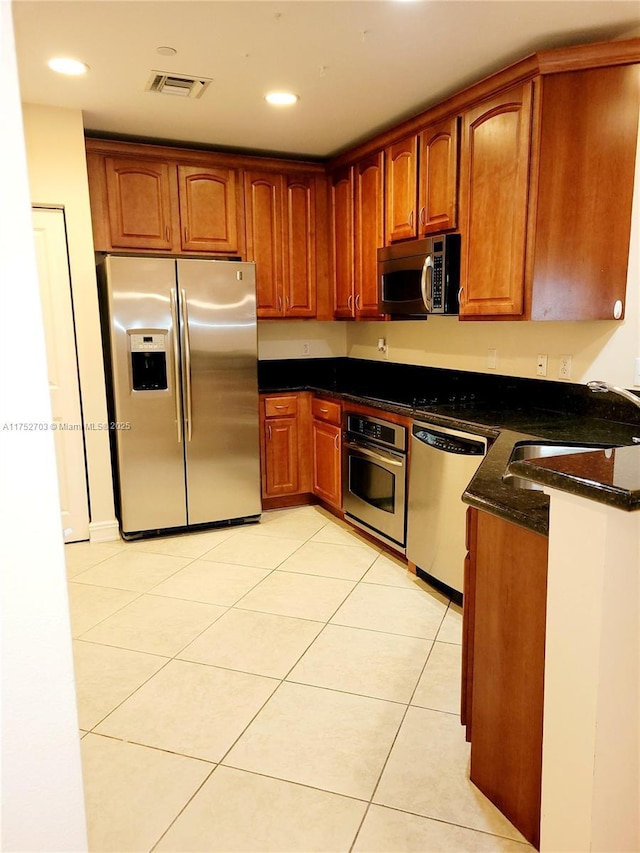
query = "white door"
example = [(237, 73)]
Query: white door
[(55, 290)]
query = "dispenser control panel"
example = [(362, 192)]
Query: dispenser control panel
[(148, 360)]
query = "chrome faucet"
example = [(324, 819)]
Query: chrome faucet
[(598, 385)]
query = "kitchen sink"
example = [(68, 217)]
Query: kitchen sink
[(523, 452)]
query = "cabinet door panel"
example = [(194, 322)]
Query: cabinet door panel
[(438, 177), (139, 202), (281, 456), (342, 236), (263, 205), (326, 462), (299, 248), (508, 669), (208, 209), (494, 194), (369, 232), (402, 189)]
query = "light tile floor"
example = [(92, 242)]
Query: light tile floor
[(283, 686)]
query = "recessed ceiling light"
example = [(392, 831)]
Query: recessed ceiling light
[(281, 99), (64, 65), (166, 51)]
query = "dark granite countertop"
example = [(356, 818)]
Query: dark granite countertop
[(509, 412)]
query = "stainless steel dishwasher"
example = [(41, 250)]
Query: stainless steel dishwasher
[(442, 463)]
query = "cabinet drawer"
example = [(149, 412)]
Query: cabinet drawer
[(278, 407), (326, 410)]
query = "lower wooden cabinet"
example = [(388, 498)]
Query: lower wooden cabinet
[(504, 623), (327, 451), (285, 445)]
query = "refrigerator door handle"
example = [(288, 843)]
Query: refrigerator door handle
[(186, 349), (173, 299)]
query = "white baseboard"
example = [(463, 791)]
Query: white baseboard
[(104, 531)]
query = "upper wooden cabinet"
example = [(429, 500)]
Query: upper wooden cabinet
[(208, 214), (357, 208), (156, 203), (402, 189), (280, 220), (139, 203), (422, 182), (545, 197), (438, 178), (493, 202)]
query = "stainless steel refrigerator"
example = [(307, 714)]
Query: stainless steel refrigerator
[(181, 352)]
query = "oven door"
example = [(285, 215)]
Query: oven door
[(374, 490)]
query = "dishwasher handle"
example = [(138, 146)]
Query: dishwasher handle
[(460, 445)]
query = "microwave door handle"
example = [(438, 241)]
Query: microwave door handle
[(427, 295)]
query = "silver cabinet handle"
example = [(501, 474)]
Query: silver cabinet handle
[(388, 460), (411, 219), (350, 302), (460, 296), (336, 441), (186, 344), (427, 294), (269, 431), (167, 233), (279, 303), (186, 234), (421, 216), (357, 301), (325, 411), (286, 302), (281, 407), (173, 299)]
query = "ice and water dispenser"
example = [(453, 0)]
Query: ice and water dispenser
[(148, 360)]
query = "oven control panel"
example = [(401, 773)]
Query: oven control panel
[(382, 432)]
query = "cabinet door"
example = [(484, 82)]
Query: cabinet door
[(326, 462), (342, 238), (368, 233), (402, 189), (494, 184), (508, 669), (299, 247), (139, 203), (208, 214), (438, 189), (281, 456), (263, 208)]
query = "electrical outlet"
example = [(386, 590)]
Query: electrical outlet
[(564, 371), (541, 366), (306, 348), (492, 356)]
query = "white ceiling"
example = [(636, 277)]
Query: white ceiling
[(358, 66)]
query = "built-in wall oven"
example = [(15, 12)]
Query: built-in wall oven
[(375, 477)]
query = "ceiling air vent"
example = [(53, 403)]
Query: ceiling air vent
[(177, 84)]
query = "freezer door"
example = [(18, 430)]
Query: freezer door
[(146, 391), (218, 305)]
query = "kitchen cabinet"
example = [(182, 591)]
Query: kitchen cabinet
[(401, 189), (504, 621), (327, 451), (285, 448), (357, 212), (281, 228), (493, 202), (438, 177), (208, 216), (140, 203), (160, 204), (546, 182), (368, 234)]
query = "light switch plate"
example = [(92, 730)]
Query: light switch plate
[(541, 366)]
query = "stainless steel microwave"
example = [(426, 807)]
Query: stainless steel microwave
[(420, 277)]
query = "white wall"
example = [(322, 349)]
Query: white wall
[(42, 802), (286, 339), (58, 177)]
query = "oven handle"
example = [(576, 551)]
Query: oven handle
[(388, 460)]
